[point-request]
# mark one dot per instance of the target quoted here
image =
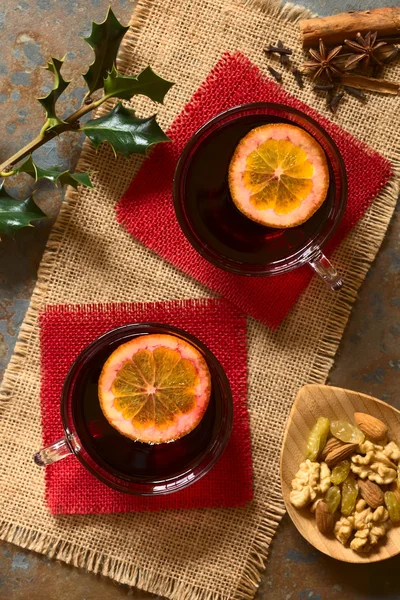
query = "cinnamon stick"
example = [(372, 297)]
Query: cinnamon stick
[(369, 83), (336, 28)]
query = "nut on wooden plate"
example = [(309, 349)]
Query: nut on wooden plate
[(340, 453), (374, 428), (371, 493), (325, 520), (332, 444), (334, 403)]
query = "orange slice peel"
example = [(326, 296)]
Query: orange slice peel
[(278, 175), (155, 388)]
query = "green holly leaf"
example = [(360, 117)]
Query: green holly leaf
[(146, 83), (125, 132), (75, 179), (49, 102), (15, 214), (54, 174), (105, 40)]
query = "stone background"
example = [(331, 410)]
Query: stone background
[(368, 360)]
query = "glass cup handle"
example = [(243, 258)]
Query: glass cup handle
[(324, 268), (53, 453)]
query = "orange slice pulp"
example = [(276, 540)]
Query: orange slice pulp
[(155, 388), (278, 175)]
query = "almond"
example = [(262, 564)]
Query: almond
[(330, 445), (338, 454), (374, 429), (371, 492), (325, 520)]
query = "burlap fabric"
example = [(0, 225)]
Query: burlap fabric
[(185, 555), (70, 489)]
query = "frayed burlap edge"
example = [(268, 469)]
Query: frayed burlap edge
[(286, 12), (374, 230)]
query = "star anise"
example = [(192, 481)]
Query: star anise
[(323, 64), (364, 49)]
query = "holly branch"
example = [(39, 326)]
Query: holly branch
[(126, 133)]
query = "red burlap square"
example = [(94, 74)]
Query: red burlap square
[(66, 330), (146, 209)]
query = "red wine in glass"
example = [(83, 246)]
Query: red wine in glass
[(126, 465), (210, 219), (121, 455)]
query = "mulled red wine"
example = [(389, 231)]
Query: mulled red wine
[(122, 456), (218, 222), (209, 217)]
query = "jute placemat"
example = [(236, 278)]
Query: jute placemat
[(185, 555)]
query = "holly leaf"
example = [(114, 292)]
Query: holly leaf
[(105, 40), (15, 214), (49, 102), (75, 179), (54, 174), (146, 83), (125, 132)]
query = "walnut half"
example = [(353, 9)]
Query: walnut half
[(343, 529), (305, 485), (370, 526), (324, 478), (376, 462)]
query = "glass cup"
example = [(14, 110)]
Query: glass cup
[(220, 232), (121, 463)]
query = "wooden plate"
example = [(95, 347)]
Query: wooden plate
[(312, 402)]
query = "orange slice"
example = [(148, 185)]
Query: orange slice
[(155, 388), (278, 175)]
